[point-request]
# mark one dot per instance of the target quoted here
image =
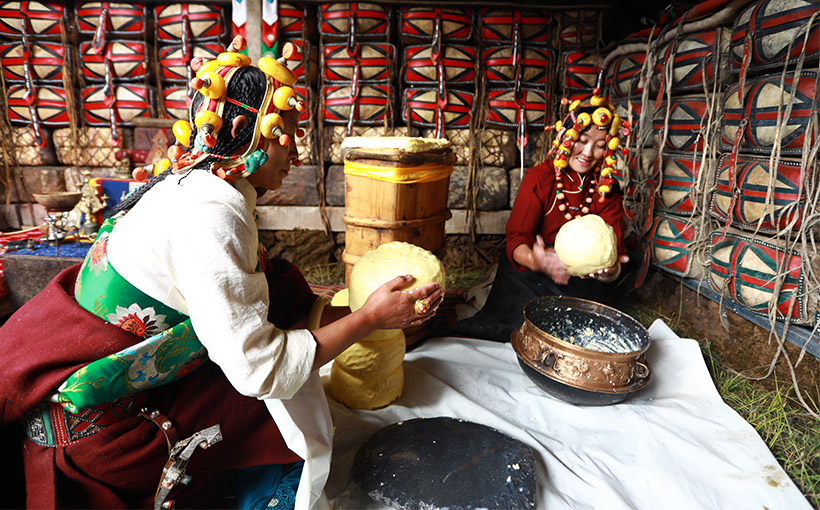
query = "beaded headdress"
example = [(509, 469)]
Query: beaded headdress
[(212, 81), (603, 118)]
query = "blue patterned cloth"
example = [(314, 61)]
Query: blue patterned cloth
[(268, 487), (66, 249)]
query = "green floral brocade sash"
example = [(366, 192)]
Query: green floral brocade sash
[(166, 347)]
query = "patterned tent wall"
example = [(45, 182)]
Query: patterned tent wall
[(764, 254), (33, 59), (93, 79), (127, 69), (296, 25), (689, 77), (471, 75), (730, 195), (625, 79), (41, 129)]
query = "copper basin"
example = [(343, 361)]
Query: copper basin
[(581, 351)]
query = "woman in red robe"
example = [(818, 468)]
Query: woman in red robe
[(576, 182)]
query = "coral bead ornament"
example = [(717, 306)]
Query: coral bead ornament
[(285, 98), (140, 174), (272, 126), (237, 44), (174, 152), (209, 84), (262, 105), (277, 70), (289, 50), (604, 118), (196, 63), (182, 132), (209, 124)]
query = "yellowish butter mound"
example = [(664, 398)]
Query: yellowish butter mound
[(404, 143), (586, 245), (371, 358), (366, 392), (388, 261)]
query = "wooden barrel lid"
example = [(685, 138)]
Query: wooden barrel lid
[(441, 156), (404, 150)]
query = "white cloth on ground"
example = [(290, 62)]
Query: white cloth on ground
[(675, 444)]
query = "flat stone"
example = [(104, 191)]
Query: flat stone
[(515, 184), (491, 181), (335, 186), (538, 144), (35, 179), (298, 188), (27, 274), (430, 463)]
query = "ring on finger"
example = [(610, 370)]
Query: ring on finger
[(421, 306)]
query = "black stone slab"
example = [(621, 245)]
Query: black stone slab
[(430, 463), (26, 275)]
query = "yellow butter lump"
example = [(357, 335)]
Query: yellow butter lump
[(388, 261), (373, 357), (586, 245), (366, 391), (369, 373)]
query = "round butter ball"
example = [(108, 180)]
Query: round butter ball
[(586, 245), (388, 261)]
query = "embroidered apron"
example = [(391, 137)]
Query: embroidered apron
[(166, 347)]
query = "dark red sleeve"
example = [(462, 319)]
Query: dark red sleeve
[(290, 294), (527, 212)]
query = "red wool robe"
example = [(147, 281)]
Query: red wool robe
[(120, 466), (535, 210)]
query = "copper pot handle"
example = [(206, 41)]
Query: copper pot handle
[(550, 359), (641, 370)]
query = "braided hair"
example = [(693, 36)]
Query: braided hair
[(247, 86), (584, 107)]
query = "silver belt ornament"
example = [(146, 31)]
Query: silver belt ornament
[(174, 471)]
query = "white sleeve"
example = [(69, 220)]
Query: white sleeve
[(209, 259)]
